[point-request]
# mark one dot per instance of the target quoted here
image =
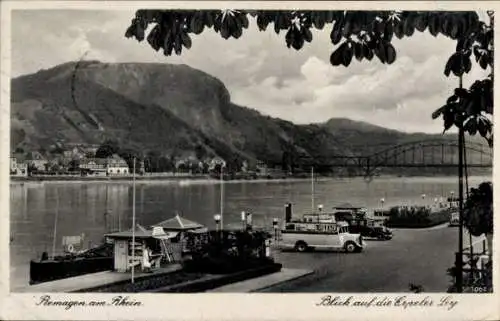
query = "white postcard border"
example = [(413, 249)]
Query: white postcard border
[(223, 306)]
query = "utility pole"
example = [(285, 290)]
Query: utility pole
[(133, 221), (312, 189), (459, 258)]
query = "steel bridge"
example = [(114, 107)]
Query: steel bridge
[(439, 153)]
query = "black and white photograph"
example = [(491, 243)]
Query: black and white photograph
[(223, 150)]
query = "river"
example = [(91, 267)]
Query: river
[(80, 207)]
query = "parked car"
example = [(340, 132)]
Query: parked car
[(379, 232)]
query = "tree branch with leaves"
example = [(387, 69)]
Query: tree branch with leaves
[(471, 108), (362, 35)]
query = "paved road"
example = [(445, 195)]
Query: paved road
[(412, 256)]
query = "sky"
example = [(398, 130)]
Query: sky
[(258, 69)]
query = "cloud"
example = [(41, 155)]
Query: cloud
[(42, 39), (258, 69)]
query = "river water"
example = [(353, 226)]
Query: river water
[(74, 208)]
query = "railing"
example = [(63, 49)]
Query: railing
[(476, 269)]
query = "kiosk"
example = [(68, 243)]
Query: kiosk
[(146, 253)]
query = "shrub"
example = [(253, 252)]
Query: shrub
[(478, 210), (228, 252), (416, 217)]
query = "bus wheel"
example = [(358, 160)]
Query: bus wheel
[(301, 246), (350, 247)]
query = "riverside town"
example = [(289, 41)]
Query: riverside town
[(252, 151)]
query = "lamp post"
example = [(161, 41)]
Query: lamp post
[(275, 226), (243, 219), (218, 230), (320, 210), (223, 165), (288, 212), (217, 218), (382, 201)]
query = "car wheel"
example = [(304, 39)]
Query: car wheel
[(350, 247), (301, 246)]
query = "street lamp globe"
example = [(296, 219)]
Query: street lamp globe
[(217, 218)]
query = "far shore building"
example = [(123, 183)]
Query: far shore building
[(202, 166), (181, 164), (37, 161), (76, 152), (18, 167), (117, 166), (94, 166), (244, 166), (90, 149), (216, 161), (68, 153), (111, 166), (53, 162), (262, 168)]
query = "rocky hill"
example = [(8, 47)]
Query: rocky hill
[(172, 109)]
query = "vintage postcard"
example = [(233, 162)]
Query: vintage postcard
[(248, 160)]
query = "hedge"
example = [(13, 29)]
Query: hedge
[(416, 217)]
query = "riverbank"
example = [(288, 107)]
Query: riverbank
[(182, 179), (64, 178)]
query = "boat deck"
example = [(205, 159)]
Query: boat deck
[(92, 280)]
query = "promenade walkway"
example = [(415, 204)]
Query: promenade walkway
[(92, 280), (263, 282)]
